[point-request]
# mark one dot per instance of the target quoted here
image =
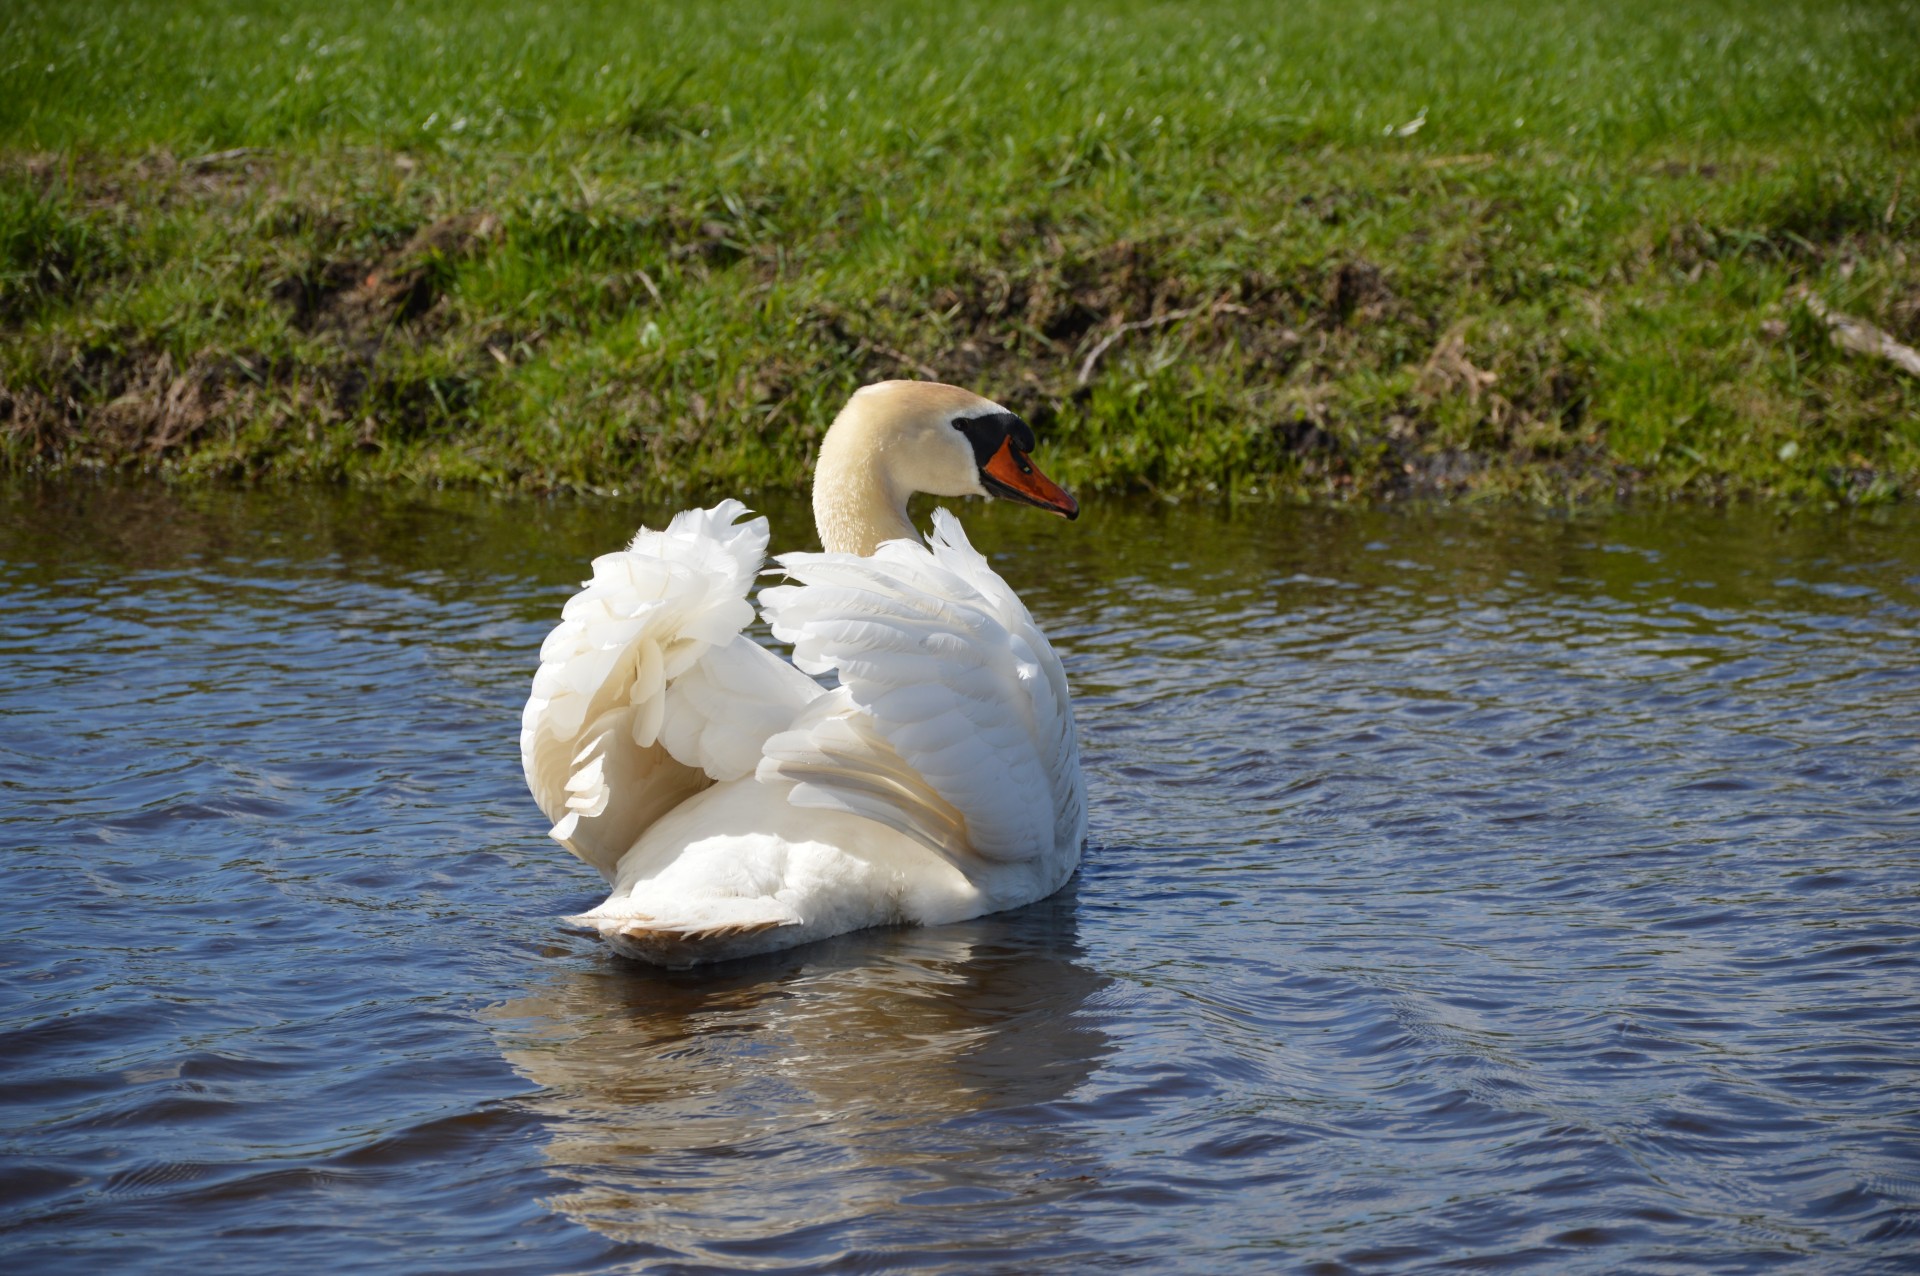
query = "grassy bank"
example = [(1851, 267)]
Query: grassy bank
[(1318, 247)]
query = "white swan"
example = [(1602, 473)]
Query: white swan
[(737, 806)]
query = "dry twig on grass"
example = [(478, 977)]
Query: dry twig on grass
[(1106, 342), (213, 159), (1858, 335), (900, 357)]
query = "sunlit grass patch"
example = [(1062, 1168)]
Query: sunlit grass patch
[(1232, 247)]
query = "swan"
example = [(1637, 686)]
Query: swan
[(737, 806)]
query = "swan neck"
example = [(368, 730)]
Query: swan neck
[(856, 504)]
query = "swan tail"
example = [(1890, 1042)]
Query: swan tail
[(609, 739), (679, 944)]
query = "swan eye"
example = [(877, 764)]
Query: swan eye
[(989, 433)]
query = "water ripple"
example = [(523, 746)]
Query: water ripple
[(1466, 890)]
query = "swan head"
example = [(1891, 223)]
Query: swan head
[(895, 438)]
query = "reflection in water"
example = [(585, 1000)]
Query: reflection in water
[(801, 1090)]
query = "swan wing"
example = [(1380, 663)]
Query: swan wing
[(952, 723), (721, 712), (647, 691)]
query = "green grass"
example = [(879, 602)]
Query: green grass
[(1489, 246)]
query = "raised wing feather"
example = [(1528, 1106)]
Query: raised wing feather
[(646, 691), (835, 758), (721, 712), (955, 706)]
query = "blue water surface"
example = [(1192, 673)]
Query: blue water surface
[(1465, 889)]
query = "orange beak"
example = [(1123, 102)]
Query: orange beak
[(1010, 476)]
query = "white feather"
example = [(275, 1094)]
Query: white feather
[(953, 677), (607, 744), (723, 709)]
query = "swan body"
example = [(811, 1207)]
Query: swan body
[(736, 805)]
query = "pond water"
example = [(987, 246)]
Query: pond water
[(1488, 889)]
